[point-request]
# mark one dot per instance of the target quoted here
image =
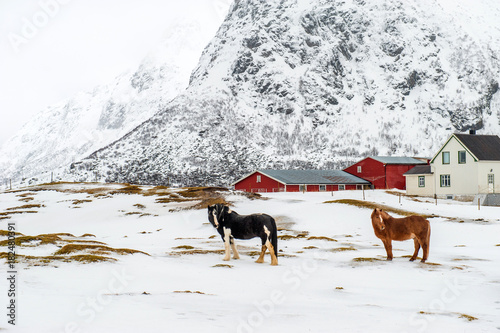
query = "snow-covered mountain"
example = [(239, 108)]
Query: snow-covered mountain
[(73, 129), (319, 83)]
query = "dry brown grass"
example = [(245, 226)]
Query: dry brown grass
[(252, 195), (25, 240), (343, 249), (73, 249), (195, 251), (460, 315), (183, 247), (367, 259), (196, 192), (202, 197), (14, 212), (133, 213), (94, 249), (322, 238), (189, 292), (171, 199), (210, 202), (286, 237), (6, 233), (27, 194), (466, 316), (31, 206), (27, 199), (128, 189), (223, 265), (79, 202), (52, 260), (396, 193), (157, 190), (373, 205)]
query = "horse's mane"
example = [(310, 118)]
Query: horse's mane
[(385, 215)]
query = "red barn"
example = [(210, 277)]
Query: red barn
[(384, 171), (299, 181)]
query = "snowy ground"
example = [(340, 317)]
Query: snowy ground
[(340, 284)]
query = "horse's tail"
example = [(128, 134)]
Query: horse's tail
[(274, 237), (428, 231)]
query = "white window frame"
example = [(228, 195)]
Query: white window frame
[(491, 178), (341, 187), (445, 180), (460, 152), (421, 181), (259, 179), (360, 169), (443, 154), (322, 188)]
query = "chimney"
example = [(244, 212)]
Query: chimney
[(472, 132)]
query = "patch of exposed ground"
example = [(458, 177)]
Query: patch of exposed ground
[(68, 249), (373, 205)]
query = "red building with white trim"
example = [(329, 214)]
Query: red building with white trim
[(299, 181), (384, 172)]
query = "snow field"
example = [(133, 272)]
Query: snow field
[(338, 281)]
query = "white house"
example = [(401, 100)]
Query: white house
[(466, 165)]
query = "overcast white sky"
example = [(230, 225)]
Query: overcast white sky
[(52, 49)]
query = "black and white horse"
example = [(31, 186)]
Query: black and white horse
[(231, 225)]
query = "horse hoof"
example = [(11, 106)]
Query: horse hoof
[(412, 259), (274, 264)]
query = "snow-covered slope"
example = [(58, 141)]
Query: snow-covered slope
[(72, 129), (303, 83)]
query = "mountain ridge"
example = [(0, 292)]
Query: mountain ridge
[(316, 84), (313, 84)]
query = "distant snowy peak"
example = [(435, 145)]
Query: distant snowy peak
[(71, 130)]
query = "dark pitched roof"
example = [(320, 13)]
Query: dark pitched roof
[(484, 147), (315, 177), (397, 160), (419, 170)]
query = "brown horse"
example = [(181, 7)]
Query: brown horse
[(388, 229)]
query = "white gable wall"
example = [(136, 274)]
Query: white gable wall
[(464, 178)]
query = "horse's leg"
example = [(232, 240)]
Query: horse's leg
[(227, 240), (417, 248), (263, 251), (236, 255), (425, 249), (270, 247), (388, 248)]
